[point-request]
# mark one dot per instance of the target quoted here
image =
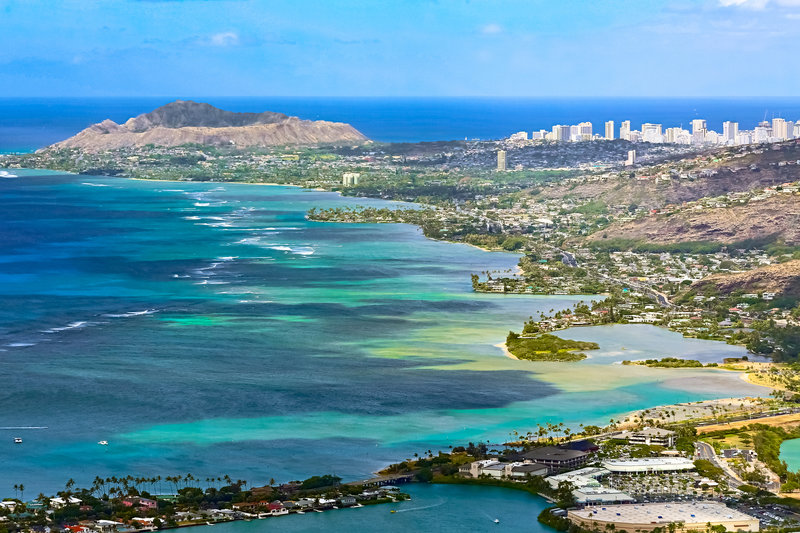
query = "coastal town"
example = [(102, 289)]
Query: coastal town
[(126, 504), (438, 267), (554, 202), (708, 465)]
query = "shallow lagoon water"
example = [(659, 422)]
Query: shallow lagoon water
[(790, 452), (210, 328), (440, 508)]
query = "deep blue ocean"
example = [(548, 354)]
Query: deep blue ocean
[(28, 124), (212, 329)]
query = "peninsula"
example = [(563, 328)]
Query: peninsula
[(186, 122)]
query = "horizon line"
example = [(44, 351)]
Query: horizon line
[(409, 97)]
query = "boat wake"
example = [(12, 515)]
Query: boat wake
[(438, 504)]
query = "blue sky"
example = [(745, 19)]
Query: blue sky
[(399, 48)]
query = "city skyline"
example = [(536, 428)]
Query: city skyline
[(776, 130), (393, 48)]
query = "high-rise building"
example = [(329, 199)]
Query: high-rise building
[(501, 160), (779, 129), (625, 130), (561, 133), (350, 179), (699, 129), (730, 130), (790, 129), (699, 124), (610, 130), (762, 133), (585, 130), (631, 158), (652, 133)]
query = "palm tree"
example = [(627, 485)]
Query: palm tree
[(16, 490), (21, 491)]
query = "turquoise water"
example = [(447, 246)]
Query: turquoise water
[(441, 508), (211, 329), (790, 452)]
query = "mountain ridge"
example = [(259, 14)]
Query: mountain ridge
[(188, 122)]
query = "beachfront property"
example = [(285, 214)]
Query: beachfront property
[(649, 516), (556, 457), (648, 465), (57, 503), (651, 437), (495, 469), (141, 503)]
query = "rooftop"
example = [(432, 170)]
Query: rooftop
[(653, 432), (649, 462), (553, 453), (694, 512)]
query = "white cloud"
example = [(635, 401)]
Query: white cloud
[(492, 29), (227, 38)]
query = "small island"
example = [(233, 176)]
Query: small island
[(547, 348), (670, 362)]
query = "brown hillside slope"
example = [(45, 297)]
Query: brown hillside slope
[(782, 278), (775, 217), (753, 171), (185, 122)]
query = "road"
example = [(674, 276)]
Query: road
[(706, 451), (569, 260)]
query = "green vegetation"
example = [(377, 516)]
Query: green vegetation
[(547, 348), (708, 469), (129, 500), (668, 362), (316, 482)]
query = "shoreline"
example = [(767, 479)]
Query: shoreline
[(506, 352)]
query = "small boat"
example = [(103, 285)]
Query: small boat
[(17, 440), (392, 511), (496, 520), (103, 443)]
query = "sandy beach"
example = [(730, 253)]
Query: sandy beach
[(508, 354)]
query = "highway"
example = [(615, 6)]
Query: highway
[(706, 451), (569, 260)]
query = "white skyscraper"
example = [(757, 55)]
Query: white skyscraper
[(501, 160), (699, 124), (625, 130), (561, 133), (651, 133), (790, 129), (610, 130), (699, 129), (762, 134), (730, 130), (585, 131), (779, 129)]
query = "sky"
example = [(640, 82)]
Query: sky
[(404, 48)]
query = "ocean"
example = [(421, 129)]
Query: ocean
[(212, 329), (28, 124)]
